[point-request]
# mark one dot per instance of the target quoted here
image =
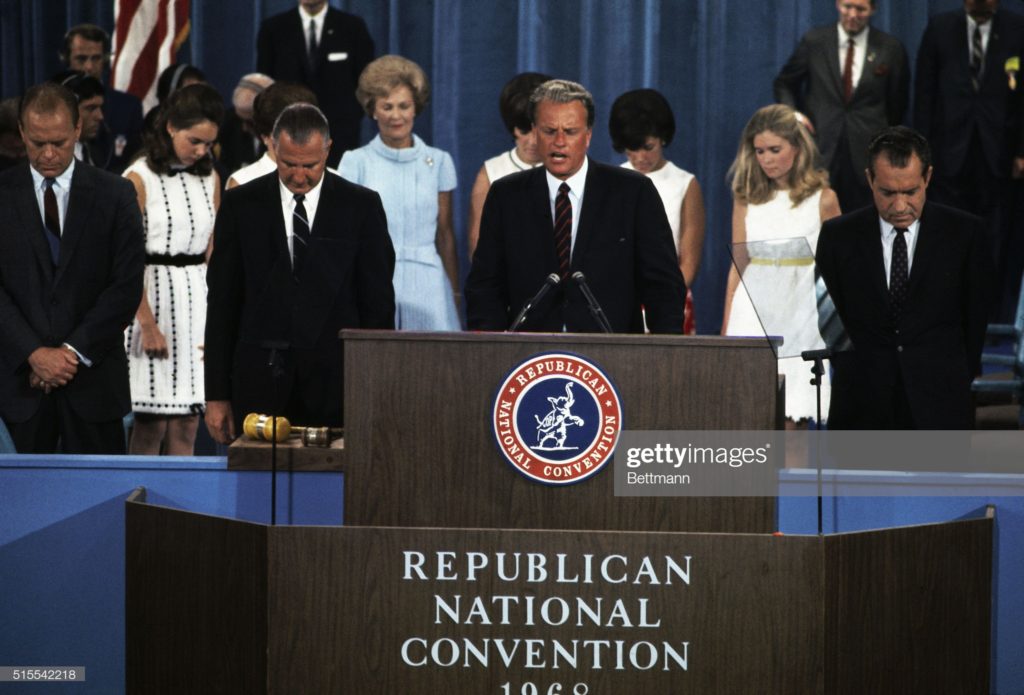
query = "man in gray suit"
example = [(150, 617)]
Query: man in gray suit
[(849, 81)]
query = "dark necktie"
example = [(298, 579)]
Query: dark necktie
[(51, 217), (848, 72), (898, 274), (977, 58), (311, 47), (300, 239), (563, 230)]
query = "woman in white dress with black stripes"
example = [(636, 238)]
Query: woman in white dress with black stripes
[(179, 193)]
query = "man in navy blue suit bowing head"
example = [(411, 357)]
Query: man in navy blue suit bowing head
[(298, 255), (911, 280), (71, 262)]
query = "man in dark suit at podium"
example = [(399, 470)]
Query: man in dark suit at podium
[(325, 49), (849, 80), (574, 215), (298, 255), (911, 282)]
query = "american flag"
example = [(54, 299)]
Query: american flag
[(147, 35)]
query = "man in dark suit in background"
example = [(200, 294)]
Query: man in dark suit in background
[(574, 215), (325, 49), (911, 282), (71, 262), (87, 49), (968, 105), (298, 255), (849, 80)]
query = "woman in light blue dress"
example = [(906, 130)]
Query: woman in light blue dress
[(415, 183)]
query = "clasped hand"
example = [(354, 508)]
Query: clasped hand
[(52, 367)]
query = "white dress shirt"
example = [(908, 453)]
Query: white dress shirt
[(318, 22), (860, 50), (576, 184), (310, 202), (888, 235)]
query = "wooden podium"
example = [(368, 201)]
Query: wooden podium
[(222, 606), (456, 574), (419, 450)]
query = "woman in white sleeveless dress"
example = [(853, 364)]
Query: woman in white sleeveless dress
[(779, 194), (641, 124), (514, 105), (178, 192)]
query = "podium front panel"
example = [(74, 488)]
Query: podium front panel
[(420, 450)]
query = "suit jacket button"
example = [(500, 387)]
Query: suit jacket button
[(899, 348)]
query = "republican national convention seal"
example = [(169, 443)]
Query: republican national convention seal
[(557, 418)]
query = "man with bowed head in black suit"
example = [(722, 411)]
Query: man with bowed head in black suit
[(298, 255), (911, 281), (326, 50), (849, 80), (574, 215), (71, 263)]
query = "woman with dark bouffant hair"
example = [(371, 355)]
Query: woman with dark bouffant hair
[(641, 125), (179, 193), (514, 106)]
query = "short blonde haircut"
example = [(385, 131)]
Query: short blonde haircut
[(750, 185), (386, 73)]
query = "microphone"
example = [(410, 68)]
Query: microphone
[(549, 282), (595, 309)]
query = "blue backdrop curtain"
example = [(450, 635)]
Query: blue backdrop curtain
[(713, 59)]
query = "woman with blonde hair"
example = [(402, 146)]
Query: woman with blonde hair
[(778, 193), (415, 183)]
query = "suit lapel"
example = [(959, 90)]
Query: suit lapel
[(298, 40), (593, 194), (991, 67), (925, 249), (80, 202), (832, 54), (32, 222), (274, 211), (543, 224), (871, 251)]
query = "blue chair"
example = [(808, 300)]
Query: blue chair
[(1012, 385), (6, 443), (1013, 331)]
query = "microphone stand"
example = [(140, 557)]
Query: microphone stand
[(549, 282), (276, 370), (595, 308), (817, 371)]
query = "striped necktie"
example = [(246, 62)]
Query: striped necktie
[(300, 238), (563, 230)]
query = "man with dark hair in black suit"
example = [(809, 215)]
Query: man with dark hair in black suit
[(71, 263), (911, 281), (87, 49), (849, 80), (298, 255), (325, 49), (968, 103), (574, 215)]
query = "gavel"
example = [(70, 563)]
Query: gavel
[(261, 427)]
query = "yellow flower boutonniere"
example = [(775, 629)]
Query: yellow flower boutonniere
[(1012, 67)]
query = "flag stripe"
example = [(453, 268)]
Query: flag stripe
[(148, 35)]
